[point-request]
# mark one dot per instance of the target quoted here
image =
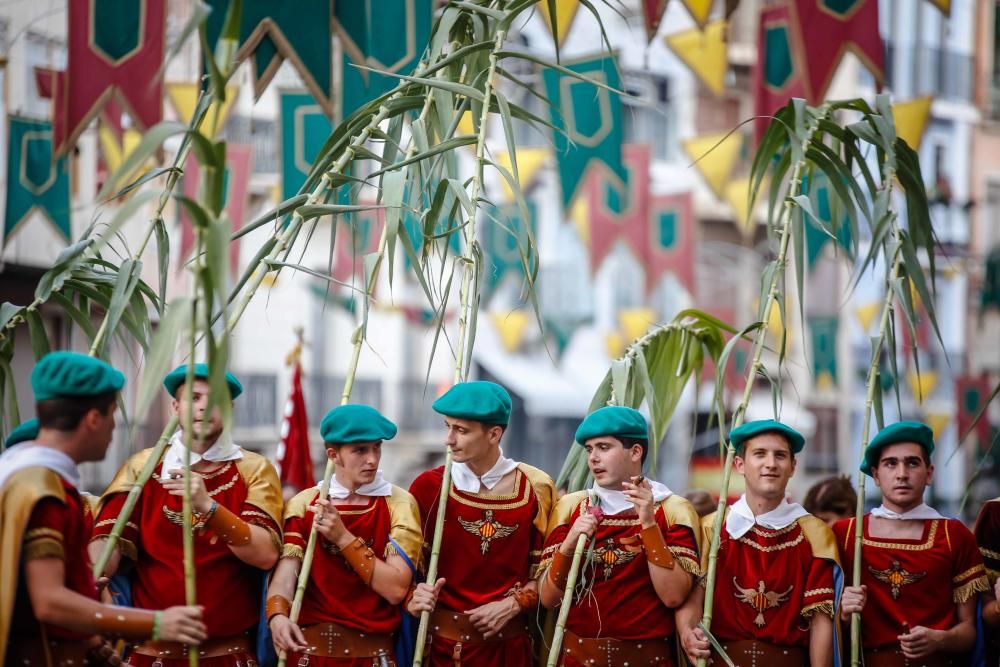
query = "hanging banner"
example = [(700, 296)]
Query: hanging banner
[(510, 327), (36, 180), (701, 9), (714, 156), (911, 120), (588, 122), (115, 50), (620, 210), (779, 73), (816, 238), (634, 322), (386, 35), (703, 50), (529, 163), (565, 13), (671, 244), (823, 334), (505, 238), (866, 315), (738, 198), (831, 29), (358, 234), (944, 6), (239, 166), (971, 394), (652, 14), (922, 384), (304, 130), (272, 32), (183, 97)]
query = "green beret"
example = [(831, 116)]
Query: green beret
[(479, 401), (26, 431), (614, 420), (346, 424), (907, 431), (73, 375), (744, 432), (176, 378)]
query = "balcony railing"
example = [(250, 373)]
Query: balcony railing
[(943, 73)]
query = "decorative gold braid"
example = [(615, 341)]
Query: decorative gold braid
[(964, 592), (757, 530), (36, 533), (213, 475), (774, 547), (818, 591), (293, 551), (527, 494), (389, 550), (965, 575), (989, 553), (825, 607), (43, 547), (927, 544), (689, 565), (226, 486), (993, 575)]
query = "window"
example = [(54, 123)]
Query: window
[(821, 455), (324, 392), (416, 413), (257, 406), (647, 115), (259, 133), (40, 51)]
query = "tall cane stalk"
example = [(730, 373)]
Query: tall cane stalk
[(785, 234), (467, 312), (567, 600), (190, 584)]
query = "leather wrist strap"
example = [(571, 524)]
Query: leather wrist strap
[(233, 530), (656, 549), (125, 622), (361, 559), (277, 605), (526, 598), (559, 570)]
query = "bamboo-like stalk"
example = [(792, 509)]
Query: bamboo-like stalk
[(190, 584), (794, 185), (461, 372), (567, 600)]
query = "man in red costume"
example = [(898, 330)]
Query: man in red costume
[(774, 582), (494, 528), (50, 615), (987, 533), (236, 500), (358, 577), (645, 551), (921, 573)]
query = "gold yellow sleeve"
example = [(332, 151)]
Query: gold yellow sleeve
[(820, 537), (545, 491), (126, 476), (707, 526), (405, 524), (263, 485), (679, 511)]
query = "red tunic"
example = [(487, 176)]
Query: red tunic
[(987, 533), (769, 583), (228, 588), (620, 589), (490, 543), (336, 594), (918, 582)]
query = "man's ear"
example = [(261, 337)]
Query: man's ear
[(331, 453)]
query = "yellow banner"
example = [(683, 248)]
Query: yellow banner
[(184, 98), (565, 13), (736, 196), (866, 315), (579, 213), (615, 344), (714, 156), (634, 322), (699, 10), (511, 327), (114, 152), (938, 423), (922, 384), (943, 5), (529, 163), (704, 52), (912, 119)]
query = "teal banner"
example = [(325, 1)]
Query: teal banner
[(816, 237), (505, 238), (588, 121), (304, 130), (385, 35), (35, 182), (823, 331)]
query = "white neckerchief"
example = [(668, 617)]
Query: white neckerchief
[(922, 512), (224, 449), (465, 480), (377, 487), (741, 518), (614, 501), (32, 455)]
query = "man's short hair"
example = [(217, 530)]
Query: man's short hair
[(65, 414), (833, 495), (629, 443)]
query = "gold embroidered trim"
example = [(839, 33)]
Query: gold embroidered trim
[(965, 575), (774, 547), (254, 514), (978, 585), (992, 574), (225, 487), (682, 551), (213, 475), (774, 533), (825, 607), (44, 547), (927, 544), (528, 494), (108, 522), (989, 553), (292, 551), (819, 591), (37, 533), (359, 512), (389, 550), (689, 565), (292, 534)]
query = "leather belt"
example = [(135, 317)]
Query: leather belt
[(332, 640), (210, 648), (891, 656), (606, 652), (458, 627), (756, 653), (54, 652)]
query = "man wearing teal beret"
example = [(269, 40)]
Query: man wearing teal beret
[(237, 505), (627, 514), (45, 523), (494, 528), (771, 549), (23, 432), (369, 539), (917, 566)]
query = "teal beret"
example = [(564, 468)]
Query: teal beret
[(176, 378), (744, 432), (907, 431), (73, 375), (614, 420), (26, 431), (346, 424), (478, 401)]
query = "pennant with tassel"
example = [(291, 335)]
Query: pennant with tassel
[(505, 242), (115, 50), (36, 179), (304, 130), (704, 51), (620, 209), (671, 245), (588, 120), (779, 73), (272, 32)]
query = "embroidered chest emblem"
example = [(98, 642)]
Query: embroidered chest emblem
[(760, 599), (896, 577), (487, 529), (612, 555)]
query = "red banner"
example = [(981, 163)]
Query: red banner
[(971, 394), (620, 210), (778, 74), (671, 245), (115, 52), (294, 461), (652, 14)]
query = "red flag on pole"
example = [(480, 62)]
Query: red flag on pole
[(779, 73), (294, 461)]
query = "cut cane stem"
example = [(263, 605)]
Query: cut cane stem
[(567, 600)]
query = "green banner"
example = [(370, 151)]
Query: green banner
[(505, 238), (418, 231), (823, 332), (588, 121), (816, 237), (34, 180), (385, 35), (304, 130)]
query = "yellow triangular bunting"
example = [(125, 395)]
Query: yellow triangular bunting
[(866, 315), (938, 421), (943, 5), (715, 162), (529, 162), (699, 10), (511, 326), (115, 153), (184, 98), (704, 52), (636, 321), (579, 213), (736, 196), (615, 345), (922, 384), (565, 13), (911, 120)]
